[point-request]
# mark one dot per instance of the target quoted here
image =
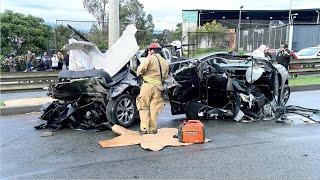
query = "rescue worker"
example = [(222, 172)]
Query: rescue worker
[(154, 70)]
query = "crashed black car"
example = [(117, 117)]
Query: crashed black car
[(238, 87)]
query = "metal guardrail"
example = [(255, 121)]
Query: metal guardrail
[(22, 81), (305, 66), (26, 80)]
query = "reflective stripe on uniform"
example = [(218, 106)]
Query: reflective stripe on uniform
[(152, 81)]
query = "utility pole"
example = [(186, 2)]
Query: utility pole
[(239, 26), (290, 28), (113, 21), (290, 17)]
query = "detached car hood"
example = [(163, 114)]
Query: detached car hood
[(85, 55)]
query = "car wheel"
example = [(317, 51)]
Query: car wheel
[(286, 95), (122, 110)]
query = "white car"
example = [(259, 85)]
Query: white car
[(309, 53)]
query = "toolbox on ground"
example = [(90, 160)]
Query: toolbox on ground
[(191, 131)]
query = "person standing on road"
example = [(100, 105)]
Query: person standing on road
[(29, 59), (55, 62), (154, 70), (61, 58), (12, 63), (284, 56), (46, 61), (66, 60)]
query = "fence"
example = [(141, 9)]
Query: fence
[(252, 38), (94, 31), (206, 42), (11, 82), (305, 35)]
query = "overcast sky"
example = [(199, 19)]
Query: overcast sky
[(166, 13)]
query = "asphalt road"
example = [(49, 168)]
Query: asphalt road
[(20, 95), (259, 150)]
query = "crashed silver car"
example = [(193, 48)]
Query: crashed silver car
[(98, 89)]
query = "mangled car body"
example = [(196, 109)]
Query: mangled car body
[(97, 89), (239, 88)]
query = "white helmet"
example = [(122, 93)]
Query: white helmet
[(176, 44), (253, 73)]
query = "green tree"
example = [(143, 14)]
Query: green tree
[(63, 33), (98, 9), (20, 33), (213, 34), (131, 12), (100, 38), (167, 36), (177, 33)]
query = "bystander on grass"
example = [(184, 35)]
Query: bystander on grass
[(304, 80)]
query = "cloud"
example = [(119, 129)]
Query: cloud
[(166, 14), (50, 10)]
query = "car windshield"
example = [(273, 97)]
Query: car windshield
[(308, 51)]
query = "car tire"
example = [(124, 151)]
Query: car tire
[(122, 110), (286, 95)]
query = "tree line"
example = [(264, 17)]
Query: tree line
[(20, 32)]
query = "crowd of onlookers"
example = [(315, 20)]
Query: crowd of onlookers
[(31, 62)]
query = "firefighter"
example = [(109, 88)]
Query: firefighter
[(154, 70)]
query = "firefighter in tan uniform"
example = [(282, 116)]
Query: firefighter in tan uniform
[(150, 102)]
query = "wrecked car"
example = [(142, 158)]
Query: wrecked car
[(97, 90), (238, 87)]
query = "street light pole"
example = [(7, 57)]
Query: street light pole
[(293, 16), (241, 7), (318, 18), (199, 19), (290, 18), (113, 21)]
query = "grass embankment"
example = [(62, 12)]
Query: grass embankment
[(304, 80), (1, 103)]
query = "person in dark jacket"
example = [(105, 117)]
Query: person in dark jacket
[(66, 60), (284, 56)]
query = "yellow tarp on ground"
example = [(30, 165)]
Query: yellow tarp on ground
[(153, 142)]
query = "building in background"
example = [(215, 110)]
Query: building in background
[(270, 27)]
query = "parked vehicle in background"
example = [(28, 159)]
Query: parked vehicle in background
[(309, 53)]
